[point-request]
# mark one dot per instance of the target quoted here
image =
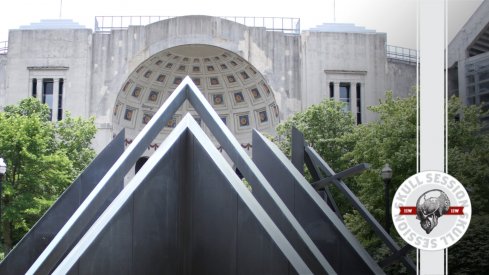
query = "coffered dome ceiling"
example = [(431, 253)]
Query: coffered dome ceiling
[(236, 90)]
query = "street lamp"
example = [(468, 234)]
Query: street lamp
[(3, 170), (386, 175)]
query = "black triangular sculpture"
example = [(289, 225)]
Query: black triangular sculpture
[(183, 213), (264, 207), (26, 251)]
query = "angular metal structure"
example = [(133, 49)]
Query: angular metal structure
[(330, 235), (186, 211), (35, 241), (302, 154), (183, 213)]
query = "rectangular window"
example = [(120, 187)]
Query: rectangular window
[(34, 87), (60, 99), (331, 90), (359, 104), (345, 95), (47, 93)]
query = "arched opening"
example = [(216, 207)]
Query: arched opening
[(238, 173), (139, 164), (235, 88)]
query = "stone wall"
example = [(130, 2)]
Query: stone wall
[(400, 77), (297, 67), (3, 72), (68, 52), (343, 57)]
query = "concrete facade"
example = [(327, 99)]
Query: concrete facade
[(300, 69), (468, 60)]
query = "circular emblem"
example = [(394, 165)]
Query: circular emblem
[(431, 210)]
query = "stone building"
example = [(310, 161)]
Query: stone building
[(468, 60), (255, 72)]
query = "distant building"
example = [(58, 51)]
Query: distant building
[(255, 72), (468, 60)]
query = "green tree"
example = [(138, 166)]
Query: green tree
[(323, 125), (389, 139), (468, 161), (43, 158), (392, 139)]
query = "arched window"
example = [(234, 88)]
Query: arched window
[(238, 173), (141, 161)]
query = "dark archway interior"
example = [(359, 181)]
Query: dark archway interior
[(139, 164)]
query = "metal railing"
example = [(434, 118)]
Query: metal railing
[(282, 24), (403, 54), (3, 47)]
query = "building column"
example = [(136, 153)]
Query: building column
[(39, 90), (31, 86), (462, 82), (336, 91), (55, 99), (353, 99)]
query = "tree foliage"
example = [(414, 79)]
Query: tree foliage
[(392, 139), (42, 157), (322, 125)]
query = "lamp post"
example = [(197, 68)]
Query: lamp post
[(3, 170), (386, 175)]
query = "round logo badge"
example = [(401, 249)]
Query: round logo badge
[(431, 210)]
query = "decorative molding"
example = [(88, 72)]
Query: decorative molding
[(47, 68), (345, 72), (155, 146)]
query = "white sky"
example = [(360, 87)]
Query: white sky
[(397, 18)]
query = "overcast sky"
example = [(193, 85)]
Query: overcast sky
[(397, 18)]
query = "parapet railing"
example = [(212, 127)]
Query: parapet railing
[(282, 24), (3, 47), (403, 54)]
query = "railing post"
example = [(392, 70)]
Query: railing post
[(119, 22)]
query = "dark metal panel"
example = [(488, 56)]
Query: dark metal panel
[(112, 252), (35, 241), (141, 238), (213, 216), (297, 147), (157, 206), (334, 240), (256, 251)]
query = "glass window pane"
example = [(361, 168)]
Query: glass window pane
[(344, 93), (483, 87), (483, 76), (48, 99)]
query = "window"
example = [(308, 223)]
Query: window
[(34, 87), (47, 93), (331, 90), (60, 99), (139, 164), (47, 85), (345, 95), (359, 104)]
